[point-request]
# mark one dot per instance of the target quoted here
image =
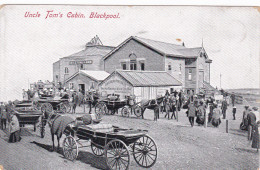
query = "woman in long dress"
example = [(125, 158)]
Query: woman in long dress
[(216, 116), (14, 130)]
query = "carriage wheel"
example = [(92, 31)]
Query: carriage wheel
[(125, 111), (97, 107), (70, 148), (102, 109), (145, 151), (117, 155), (62, 108), (138, 111), (96, 150)]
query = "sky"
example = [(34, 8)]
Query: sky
[(30, 45)]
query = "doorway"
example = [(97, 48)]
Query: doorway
[(82, 88)]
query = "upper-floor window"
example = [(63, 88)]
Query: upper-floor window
[(133, 57), (66, 70), (133, 65), (142, 66), (123, 66), (189, 74)]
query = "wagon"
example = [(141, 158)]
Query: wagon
[(113, 143), (27, 114), (49, 104), (110, 105)]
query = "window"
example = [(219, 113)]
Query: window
[(66, 70), (132, 64), (123, 66), (71, 86), (132, 61), (142, 66), (82, 66), (57, 76), (189, 76), (169, 66)]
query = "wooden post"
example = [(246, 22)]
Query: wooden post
[(177, 115), (206, 120), (226, 126)]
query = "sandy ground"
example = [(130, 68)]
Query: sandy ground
[(180, 146)]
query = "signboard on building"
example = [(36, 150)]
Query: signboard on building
[(81, 62), (116, 85)]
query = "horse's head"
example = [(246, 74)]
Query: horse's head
[(159, 99)]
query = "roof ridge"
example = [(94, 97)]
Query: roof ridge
[(159, 41)]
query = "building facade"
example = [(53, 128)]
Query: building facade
[(91, 58), (142, 84), (191, 66)]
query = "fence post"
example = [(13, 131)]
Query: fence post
[(206, 120), (226, 126), (177, 115)]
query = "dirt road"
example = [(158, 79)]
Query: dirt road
[(180, 146)]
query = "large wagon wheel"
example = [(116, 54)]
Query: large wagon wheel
[(62, 108), (125, 111), (102, 109), (70, 148), (117, 155), (145, 151), (97, 107), (97, 150), (46, 107), (138, 111)]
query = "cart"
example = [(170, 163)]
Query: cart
[(27, 114), (58, 105), (115, 145)]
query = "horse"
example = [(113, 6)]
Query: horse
[(57, 124), (152, 104)]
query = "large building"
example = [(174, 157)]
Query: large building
[(91, 58), (191, 66)]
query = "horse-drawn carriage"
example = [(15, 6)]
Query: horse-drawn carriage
[(27, 114), (112, 103), (112, 142), (51, 104)]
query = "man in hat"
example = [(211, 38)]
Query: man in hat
[(14, 129), (224, 107)]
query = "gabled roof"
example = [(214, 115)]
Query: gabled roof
[(163, 48), (91, 51), (147, 78), (94, 75)]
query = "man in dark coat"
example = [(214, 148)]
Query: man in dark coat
[(191, 113), (251, 119), (224, 108), (233, 99)]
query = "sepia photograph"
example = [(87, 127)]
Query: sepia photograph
[(129, 87)]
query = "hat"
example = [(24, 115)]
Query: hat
[(255, 108)]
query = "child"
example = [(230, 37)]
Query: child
[(234, 110)]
